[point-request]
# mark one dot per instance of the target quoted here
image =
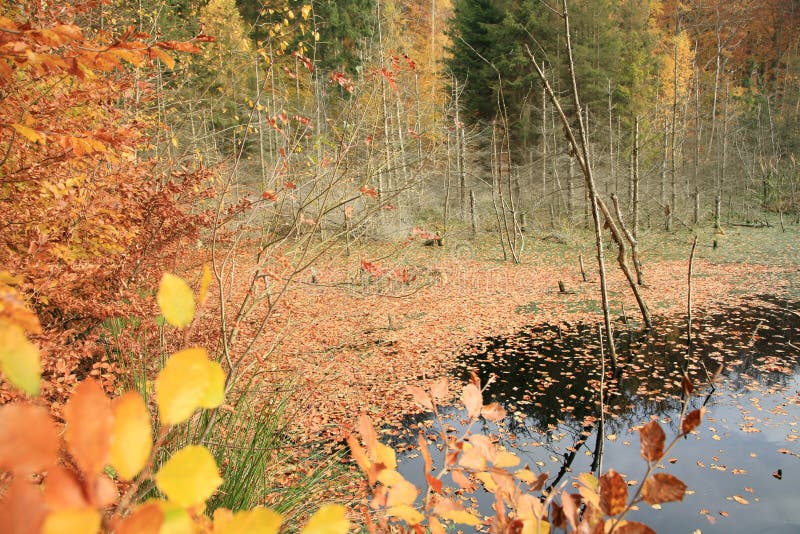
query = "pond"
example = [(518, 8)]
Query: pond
[(741, 466)]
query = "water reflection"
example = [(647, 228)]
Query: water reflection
[(548, 376)]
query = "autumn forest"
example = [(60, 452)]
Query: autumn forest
[(514, 266)]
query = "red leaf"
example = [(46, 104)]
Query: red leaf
[(368, 191)]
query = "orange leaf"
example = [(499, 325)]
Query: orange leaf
[(28, 439), (472, 399), (29, 133), (426, 454), (462, 480), (663, 487), (652, 437), (147, 519), (62, 490), (89, 422), (22, 508), (613, 493)]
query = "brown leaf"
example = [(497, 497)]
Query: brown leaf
[(89, 421), (652, 437), (147, 519), (692, 420), (22, 508), (420, 397), (28, 439), (493, 412), (613, 493), (632, 527), (472, 399), (663, 487)]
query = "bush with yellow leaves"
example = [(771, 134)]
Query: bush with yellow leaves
[(83, 477)]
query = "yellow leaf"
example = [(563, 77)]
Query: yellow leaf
[(385, 455), (403, 492), (463, 517), (529, 526), (29, 133), (205, 281), (19, 358), (305, 11), (505, 459), (176, 300), (189, 477), (72, 521), (215, 391), (406, 513), (132, 435), (256, 521), (188, 381), (390, 477), (488, 481), (329, 519), (176, 519)]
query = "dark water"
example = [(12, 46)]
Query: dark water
[(547, 377)]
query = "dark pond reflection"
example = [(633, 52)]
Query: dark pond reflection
[(742, 468)]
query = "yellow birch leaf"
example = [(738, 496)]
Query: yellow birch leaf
[(506, 459), (403, 492), (189, 477), (488, 481), (72, 521), (205, 281), (329, 519), (29, 133), (390, 477), (535, 526), (19, 358), (386, 456), (256, 521), (182, 385), (176, 519), (463, 517), (131, 436), (176, 300), (215, 391), (406, 513)]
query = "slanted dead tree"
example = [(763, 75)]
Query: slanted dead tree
[(581, 151), (622, 254)]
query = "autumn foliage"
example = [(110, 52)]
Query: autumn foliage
[(87, 206)]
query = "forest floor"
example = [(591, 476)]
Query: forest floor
[(356, 344)]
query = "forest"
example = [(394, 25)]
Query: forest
[(317, 266)]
